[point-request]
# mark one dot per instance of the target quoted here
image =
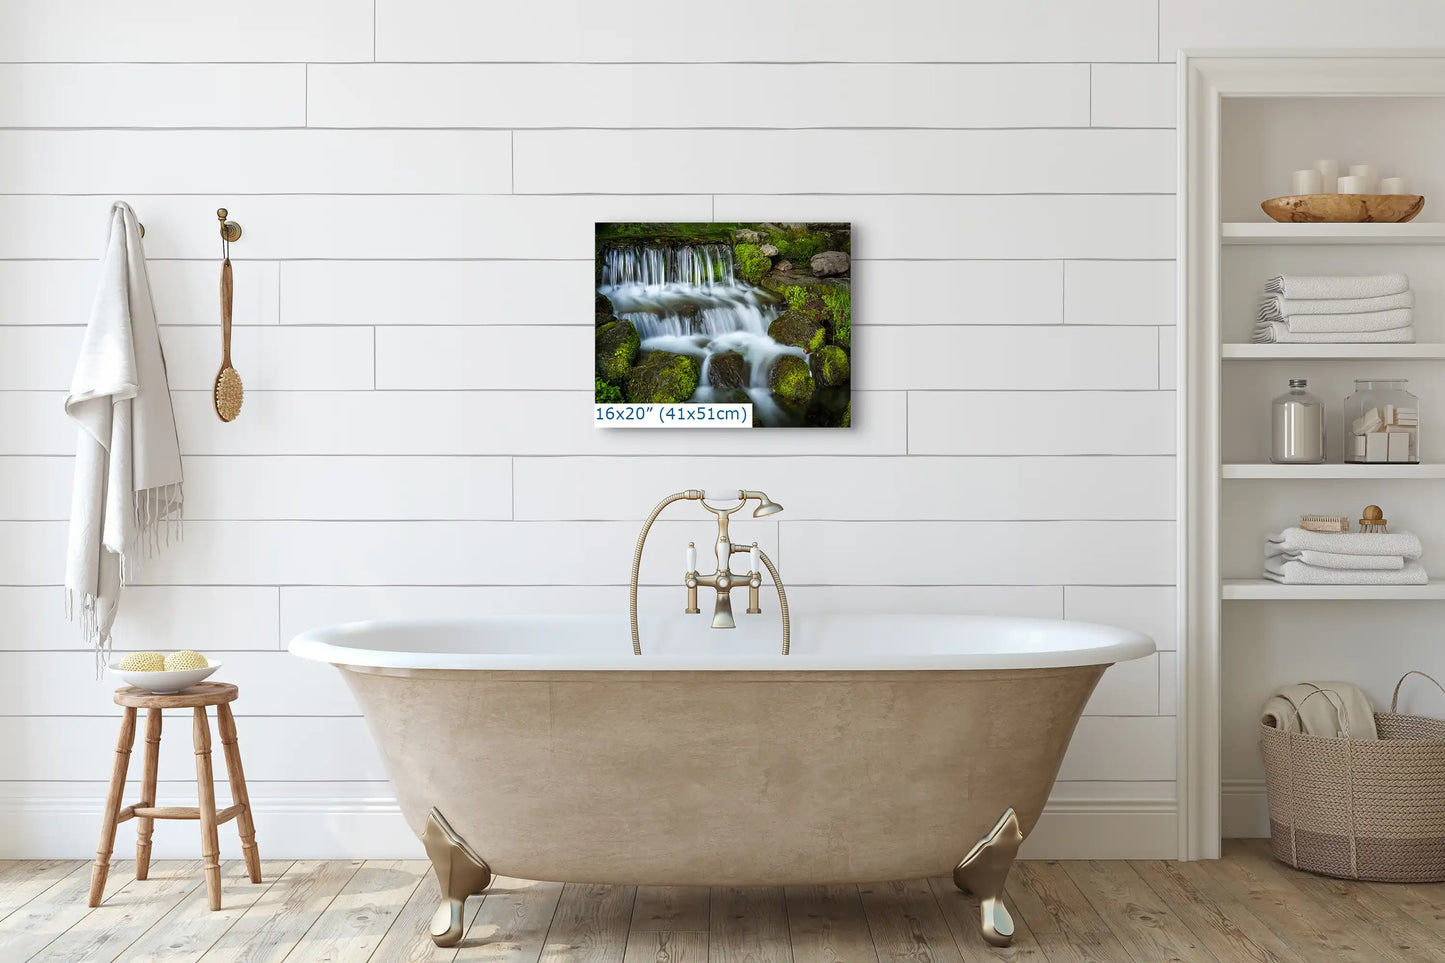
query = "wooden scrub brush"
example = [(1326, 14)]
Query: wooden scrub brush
[(228, 383)]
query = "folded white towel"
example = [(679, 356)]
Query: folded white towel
[(1295, 286), (1344, 323), (1356, 563), (1298, 573), (1277, 307), (1406, 544), (1339, 706), (1277, 332)]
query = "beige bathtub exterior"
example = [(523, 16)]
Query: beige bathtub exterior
[(723, 777)]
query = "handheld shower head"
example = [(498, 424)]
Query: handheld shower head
[(766, 506)]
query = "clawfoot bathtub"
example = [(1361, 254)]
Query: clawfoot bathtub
[(882, 747)]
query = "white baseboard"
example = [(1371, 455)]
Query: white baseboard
[(372, 827), (1243, 810)]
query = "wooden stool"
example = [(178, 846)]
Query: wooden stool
[(197, 698)]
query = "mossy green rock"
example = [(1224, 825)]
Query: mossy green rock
[(797, 329), (617, 344), (830, 365), (604, 305), (727, 370), (749, 263), (847, 417), (662, 378), (791, 381)]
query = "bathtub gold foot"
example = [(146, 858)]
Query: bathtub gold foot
[(984, 871), (460, 873)]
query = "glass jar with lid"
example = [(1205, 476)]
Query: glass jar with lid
[(1382, 423), (1297, 427)]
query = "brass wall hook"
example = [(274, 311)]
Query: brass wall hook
[(230, 230)]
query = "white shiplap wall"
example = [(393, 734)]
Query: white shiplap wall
[(417, 180)]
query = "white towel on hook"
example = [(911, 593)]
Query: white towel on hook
[(127, 495), (1295, 286), (1298, 573), (1406, 544), (1277, 332)]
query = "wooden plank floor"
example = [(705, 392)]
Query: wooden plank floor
[(1245, 907)]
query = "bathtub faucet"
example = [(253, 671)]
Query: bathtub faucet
[(723, 580)]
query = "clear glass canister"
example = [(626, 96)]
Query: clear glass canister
[(1382, 423), (1297, 427)]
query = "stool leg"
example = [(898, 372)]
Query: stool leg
[(206, 790), (143, 824), (247, 826), (106, 845)]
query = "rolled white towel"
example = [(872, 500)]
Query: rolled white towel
[(1356, 563), (1295, 286), (1338, 707), (1277, 332), (1344, 323), (1298, 573), (1277, 307), (1406, 544)]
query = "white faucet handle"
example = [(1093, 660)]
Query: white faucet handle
[(691, 557), (753, 560)]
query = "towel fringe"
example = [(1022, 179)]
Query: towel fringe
[(158, 514)]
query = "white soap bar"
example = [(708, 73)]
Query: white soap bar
[(1393, 185), (1359, 448), (1389, 416), (1399, 446), (1368, 422), (1377, 446)]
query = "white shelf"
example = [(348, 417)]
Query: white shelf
[(1429, 351), (1263, 589), (1297, 472), (1272, 232)]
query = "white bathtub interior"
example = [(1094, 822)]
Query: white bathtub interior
[(603, 642)]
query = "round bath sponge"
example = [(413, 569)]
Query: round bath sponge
[(185, 659), (143, 662)]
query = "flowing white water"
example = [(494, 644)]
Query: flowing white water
[(685, 299)]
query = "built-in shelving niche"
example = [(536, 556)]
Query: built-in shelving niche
[(1272, 634)]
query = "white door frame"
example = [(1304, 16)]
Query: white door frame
[(1205, 78)]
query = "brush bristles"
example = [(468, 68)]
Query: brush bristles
[(228, 394)]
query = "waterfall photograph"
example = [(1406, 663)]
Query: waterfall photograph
[(726, 315)]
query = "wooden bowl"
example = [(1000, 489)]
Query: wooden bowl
[(1344, 208)]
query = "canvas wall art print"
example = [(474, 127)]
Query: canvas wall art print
[(707, 319)]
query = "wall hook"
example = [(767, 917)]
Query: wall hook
[(230, 230)]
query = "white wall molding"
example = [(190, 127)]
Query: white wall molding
[(372, 827), (1244, 809)]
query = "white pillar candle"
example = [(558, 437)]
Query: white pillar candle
[(1308, 182), (1371, 175), (1329, 172), (691, 557), (1394, 185), (1351, 184)]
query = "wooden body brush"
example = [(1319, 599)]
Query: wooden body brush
[(228, 382)]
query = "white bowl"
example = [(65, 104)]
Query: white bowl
[(165, 682)]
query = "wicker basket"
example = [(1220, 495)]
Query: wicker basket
[(1370, 810)]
